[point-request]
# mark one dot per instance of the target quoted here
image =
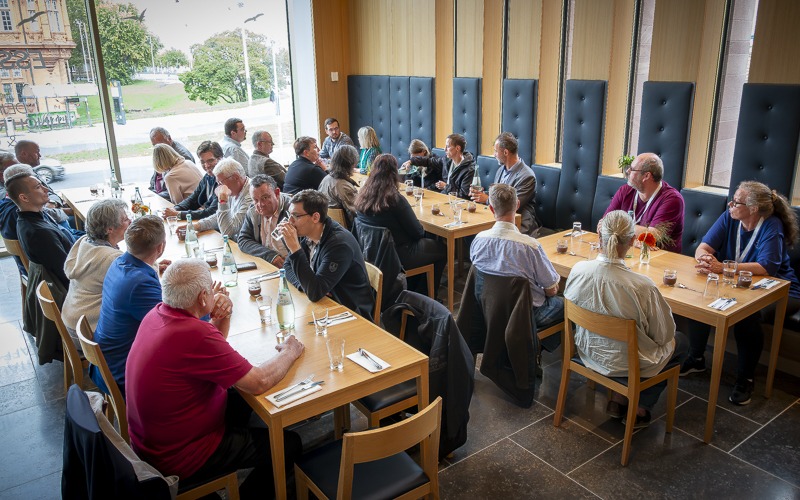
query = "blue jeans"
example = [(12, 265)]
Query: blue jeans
[(549, 314)]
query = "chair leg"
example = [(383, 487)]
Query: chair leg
[(431, 285), (629, 423), (67, 373), (672, 400), (301, 484), (562, 395)]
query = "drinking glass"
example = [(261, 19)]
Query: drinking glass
[(409, 188), (452, 197), (199, 251), (712, 287), (211, 260), (458, 210), (320, 317), (577, 231), (728, 271), (472, 207), (93, 190), (253, 288), (264, 309), (594, 249), (335, 353), (745, 279), (435, 210), (670, 277), (418, 193), (562, 245)]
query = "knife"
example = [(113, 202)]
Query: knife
[(299, 390), (366, 355)]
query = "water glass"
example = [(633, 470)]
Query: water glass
[(594, 249), (320, 317), (458, 209), (335, 353), (712, 287), (728, 271), (577, 231), (562, 245), (418, 194), (409, 188), (435, 210), (745, 279), (172, 223), (264, 309), (211, 259), (670, 277), (452, 198), (199, 251)]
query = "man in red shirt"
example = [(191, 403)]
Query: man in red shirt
[(182, 417)]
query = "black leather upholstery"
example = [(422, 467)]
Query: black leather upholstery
[(386, 478), (381, 111), (422, 105), (487, 168), (546, 192), (584, 107), (701, 210), (519, 115), (400, 117), (437, 151), (467, 110), (359, 88), (387, 397), (767, 135), (606, 189), (664, 128)]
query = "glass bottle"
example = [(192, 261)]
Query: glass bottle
[(136, 203), (476, 181), (230, 275), (285, 306), (191, 242)]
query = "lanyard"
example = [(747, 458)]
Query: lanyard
[(740, 255), (636, 200)]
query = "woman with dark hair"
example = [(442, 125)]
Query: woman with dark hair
[(756, 231), (379, 203), (339, 185)]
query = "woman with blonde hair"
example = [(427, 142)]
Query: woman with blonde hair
[(180, 175), (756, 231), (370, 148)]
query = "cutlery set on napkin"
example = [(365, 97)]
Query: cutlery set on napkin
[(722, 303)]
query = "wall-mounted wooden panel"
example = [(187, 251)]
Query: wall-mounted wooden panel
[(592, 36), (549, 81), (332, 18), (524, 38), (445, 68), (493, 14), (469, 38), (392, 38), (776, 44)]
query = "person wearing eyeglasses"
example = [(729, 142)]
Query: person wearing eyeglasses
[(328, 260), (756, 231), (656, 205), (203, 201), (261, 163), (336, 139)]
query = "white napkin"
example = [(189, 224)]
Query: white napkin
[(360, 360), (302, 394), (337, 321), (722, 304), (766, 283)]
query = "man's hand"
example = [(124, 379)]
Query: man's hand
[(162, 265), (293, 347), (222, 193), (223, 306), (440, 185), (171, 212), (321, 163), (289, 233), (278, 261), (481, 197)]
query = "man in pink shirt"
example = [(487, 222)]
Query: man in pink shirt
[(184, 416)]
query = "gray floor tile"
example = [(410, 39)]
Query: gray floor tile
[(15, 360), (677, 465), (775, 448), (729, 428), (19, 395), (44, 488), (505, 470), (10, 307)]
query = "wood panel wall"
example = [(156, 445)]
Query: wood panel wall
[(445, 68), (493, 42), (524, 38), (332, 16), (550, 83), (469, 38), (776, 44)]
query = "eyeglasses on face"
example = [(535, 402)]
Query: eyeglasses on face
[(733, 203), (297, 216)]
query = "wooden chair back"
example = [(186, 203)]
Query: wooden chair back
[(337, 214), (376, 282), (619, 329), (14, 248), (73, 365), (95, 356)]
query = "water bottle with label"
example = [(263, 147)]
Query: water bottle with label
[(191, 242), (136, 204), (230, 275), (285, 306)]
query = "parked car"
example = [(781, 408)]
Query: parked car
[(49, 169)]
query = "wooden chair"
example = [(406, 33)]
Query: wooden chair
[(337, 214), (73, 363), (95, 356), (424, 270), (393, 474), (15, 249), (376, 282), (394, 399), (621, 330)]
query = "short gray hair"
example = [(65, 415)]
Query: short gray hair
[(257, 137), (7, 158), (183, 281), (261, 179), (159, 130), (104, 215), (18, 170), (228, 167), (503, 199), (650, 162)]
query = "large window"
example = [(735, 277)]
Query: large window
[(54, 16), (5, 16), (34, 24)]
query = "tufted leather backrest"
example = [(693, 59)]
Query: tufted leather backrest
[(438, 152), (519, 115), (400, 117), (664, 128), (487, 169), (606, 189), (422, 106), (467, 110), (767, 135), (700, 211), (584, 106), (546, 193), (359, 96), (382, 111)]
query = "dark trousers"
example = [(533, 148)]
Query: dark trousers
[(749, 338), (649, 397), (421, 253), (244, 446)]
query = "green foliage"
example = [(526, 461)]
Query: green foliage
[(218, 68), (625, 161), (172, 58)]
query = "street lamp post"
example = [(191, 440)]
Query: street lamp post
[(247, 68), (275, 81)]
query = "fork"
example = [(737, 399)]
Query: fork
[(305, 381), (681, 285), (335, 317)]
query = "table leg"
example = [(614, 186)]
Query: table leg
[(777, 333), (423, 398), (451, 275), (720, 338), (341, 420), (278, 467)]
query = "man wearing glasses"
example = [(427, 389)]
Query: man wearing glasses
[(203, 201), (656, 206), (336, 139), (261, 163), (328, 261)]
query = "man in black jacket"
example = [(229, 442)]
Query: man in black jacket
[(329, 260), (307, 171), (457, 169), (203, 201)]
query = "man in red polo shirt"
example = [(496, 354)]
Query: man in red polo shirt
[(182, 417)]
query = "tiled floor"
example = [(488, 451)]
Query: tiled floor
[(511, 452)]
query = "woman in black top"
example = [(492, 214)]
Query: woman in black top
[(379, 203)]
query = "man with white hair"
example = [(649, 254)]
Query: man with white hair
[(185, 416), (656, 205), (261, 163), (233, 195)]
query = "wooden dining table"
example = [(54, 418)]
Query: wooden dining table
[(690, 303)]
